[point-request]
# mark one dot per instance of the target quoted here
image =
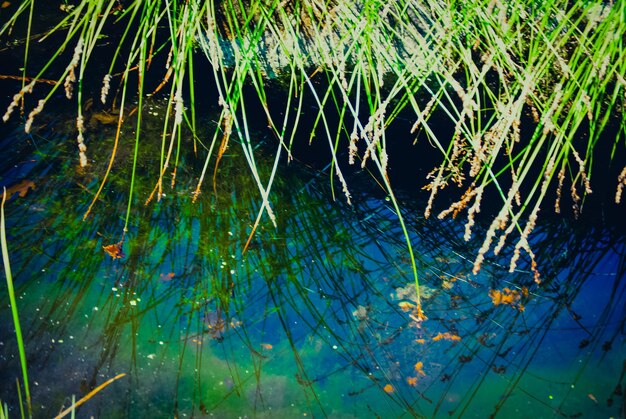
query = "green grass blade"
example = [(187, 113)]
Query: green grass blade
[(16, 320)]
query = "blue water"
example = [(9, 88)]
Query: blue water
[(310, 320)]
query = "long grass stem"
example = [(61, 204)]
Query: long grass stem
[(13, 302)]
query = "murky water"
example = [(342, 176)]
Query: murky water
[(316, 318)]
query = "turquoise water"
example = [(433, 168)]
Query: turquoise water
[(315, 319)]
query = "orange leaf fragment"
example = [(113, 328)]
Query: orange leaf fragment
[(419, 368), (388, 389), (21, 188), (447, 336), (167, 277), (506, 296), (115, 250), (5, 4), (418, 316), (412, 381), (420, 313), (267, 346), (420, 341)]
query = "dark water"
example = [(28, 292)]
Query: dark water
[(315, 319)]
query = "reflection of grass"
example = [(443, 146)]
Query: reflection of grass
[(493, 69), (20, 341), (13, 302), (297, 287), (71, 409)]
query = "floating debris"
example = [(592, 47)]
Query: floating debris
[(115, 250), (406, 306), (166, 277), (419, 368), (508, 297), (215, 324), (409, 292), (361, 312), (21, 188), (447, 336)]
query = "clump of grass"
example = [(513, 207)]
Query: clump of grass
[(557, 67)]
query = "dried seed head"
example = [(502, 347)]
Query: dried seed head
[(457, 207), (352, 148), (16, 99), (486, 243), (434, 186), (69, 84), (474, 209), (575, 199), (106, 85), (582, 171), (80, 125), (621, 182), (33, 113), (559, 189), (83, 159), (71, 77), (179, 106)]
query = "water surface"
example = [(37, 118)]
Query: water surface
[(316, 318)]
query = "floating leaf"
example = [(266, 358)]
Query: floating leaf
[(267, 346), (507, 297), (21, 188), (447, 336), (419, 368), (115, 250), (167, 277), (388, 389)]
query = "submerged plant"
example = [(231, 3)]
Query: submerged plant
[(318, 316), (554, 70)]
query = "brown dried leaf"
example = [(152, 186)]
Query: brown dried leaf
[(21, 188), (115, 250)]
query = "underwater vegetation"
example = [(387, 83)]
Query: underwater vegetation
[(528, 88), (318, 316), (226, 208)]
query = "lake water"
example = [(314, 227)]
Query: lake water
[(315, 319)]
